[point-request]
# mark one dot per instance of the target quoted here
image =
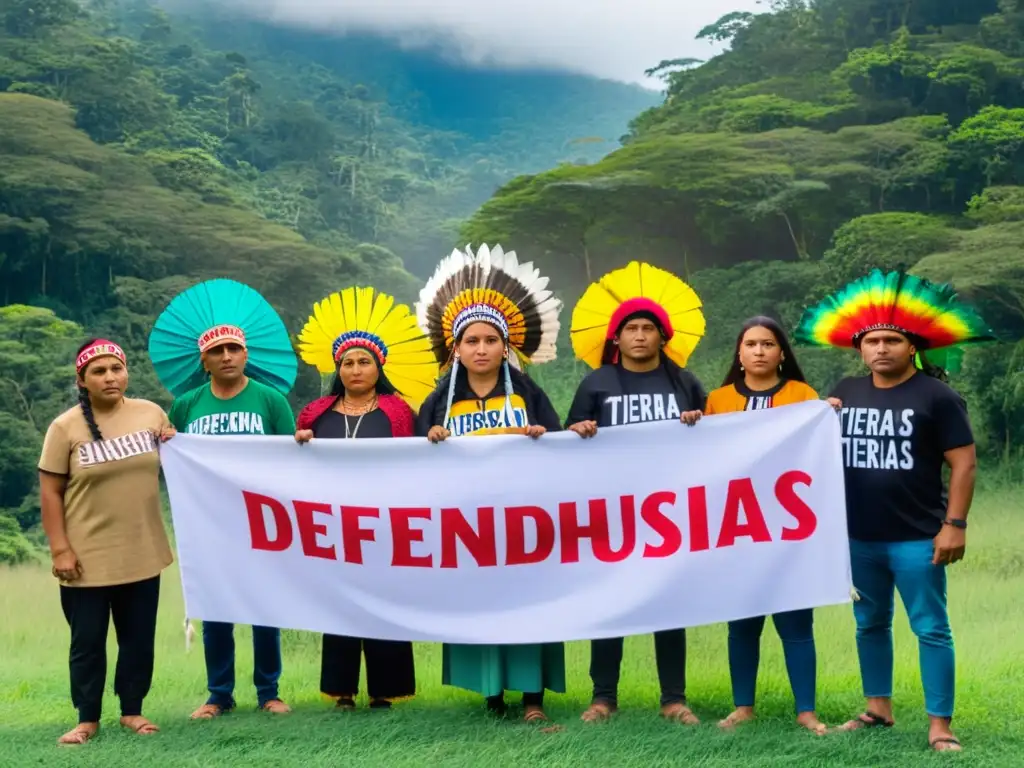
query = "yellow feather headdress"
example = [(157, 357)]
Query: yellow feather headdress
[(361, 317), (637, 287)]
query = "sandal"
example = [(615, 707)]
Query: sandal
[(734, 719), (535, 714), (275, 707), (139, 725), (866, 720), (680, 713), (346, 703), (598, 712), (954, 744), (208, 712), (80, 734)]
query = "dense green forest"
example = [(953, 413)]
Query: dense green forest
[(140, 152), (831, 137)]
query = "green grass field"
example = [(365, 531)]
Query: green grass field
[(448, 727)]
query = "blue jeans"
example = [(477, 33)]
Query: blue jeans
[(796, 630), (219, 650), (878, 568)]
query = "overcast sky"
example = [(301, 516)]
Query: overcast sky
[(616, 39)]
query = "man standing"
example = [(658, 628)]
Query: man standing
[(230, 402), (639, 346), (900, 425)]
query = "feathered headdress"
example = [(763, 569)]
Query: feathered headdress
[(928, 313), (489, 286), (361, 318), (211, 313), (637, 287)]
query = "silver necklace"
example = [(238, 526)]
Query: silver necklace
[(356, 430)]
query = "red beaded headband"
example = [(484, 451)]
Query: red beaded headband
[(221, 334), (101, 348)]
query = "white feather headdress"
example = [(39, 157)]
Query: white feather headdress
[(490, 286)]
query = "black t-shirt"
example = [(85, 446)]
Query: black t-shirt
[(893, 445), (332, 424), (613, 396)]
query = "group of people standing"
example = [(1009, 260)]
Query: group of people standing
[(455, 367)]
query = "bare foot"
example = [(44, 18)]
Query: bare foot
[(276, 707), (680, 713), (139, 724), (810, 721), (80, 734), (598, 712), (739, 715), (940, 736)]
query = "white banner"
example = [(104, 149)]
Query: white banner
[(504, 539)]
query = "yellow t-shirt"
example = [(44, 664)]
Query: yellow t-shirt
[(112, 497), (736, 397), (488, 417)]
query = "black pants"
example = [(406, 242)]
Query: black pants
[(497, 703), (390, 672), (88, 611), (669, 655)]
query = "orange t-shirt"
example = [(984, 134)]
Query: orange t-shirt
[(736, 397)]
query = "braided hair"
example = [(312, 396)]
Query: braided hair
[(85, 402)]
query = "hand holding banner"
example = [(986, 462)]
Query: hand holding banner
[(510, 540)]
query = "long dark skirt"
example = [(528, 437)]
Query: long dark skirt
[(390, 670)]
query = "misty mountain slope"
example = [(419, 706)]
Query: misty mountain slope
[(530, 117), (450, 135)]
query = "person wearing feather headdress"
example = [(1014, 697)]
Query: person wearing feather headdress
[(226, 357), (486, 316), (900, 425), (636, 327), (381, 365)]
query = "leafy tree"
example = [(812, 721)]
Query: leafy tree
[(997, 204), (36, 384), (884, 241)]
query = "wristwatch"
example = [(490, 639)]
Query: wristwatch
[(955, 523)]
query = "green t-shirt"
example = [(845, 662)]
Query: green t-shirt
[(256, 410)]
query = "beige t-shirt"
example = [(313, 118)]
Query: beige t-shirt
[(112, 498)]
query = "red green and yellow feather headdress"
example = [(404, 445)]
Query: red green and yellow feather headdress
[(929, 314)]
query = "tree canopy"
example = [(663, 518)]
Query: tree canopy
[(142, 150), (832, 137)]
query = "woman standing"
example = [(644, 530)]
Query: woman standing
[(486, 314), (362, 340), (100, 499), (765, 374)]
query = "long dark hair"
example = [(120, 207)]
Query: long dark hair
[(383, 386), (790, 367), (83, 397)]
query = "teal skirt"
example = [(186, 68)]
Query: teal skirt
[(492, 669)]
